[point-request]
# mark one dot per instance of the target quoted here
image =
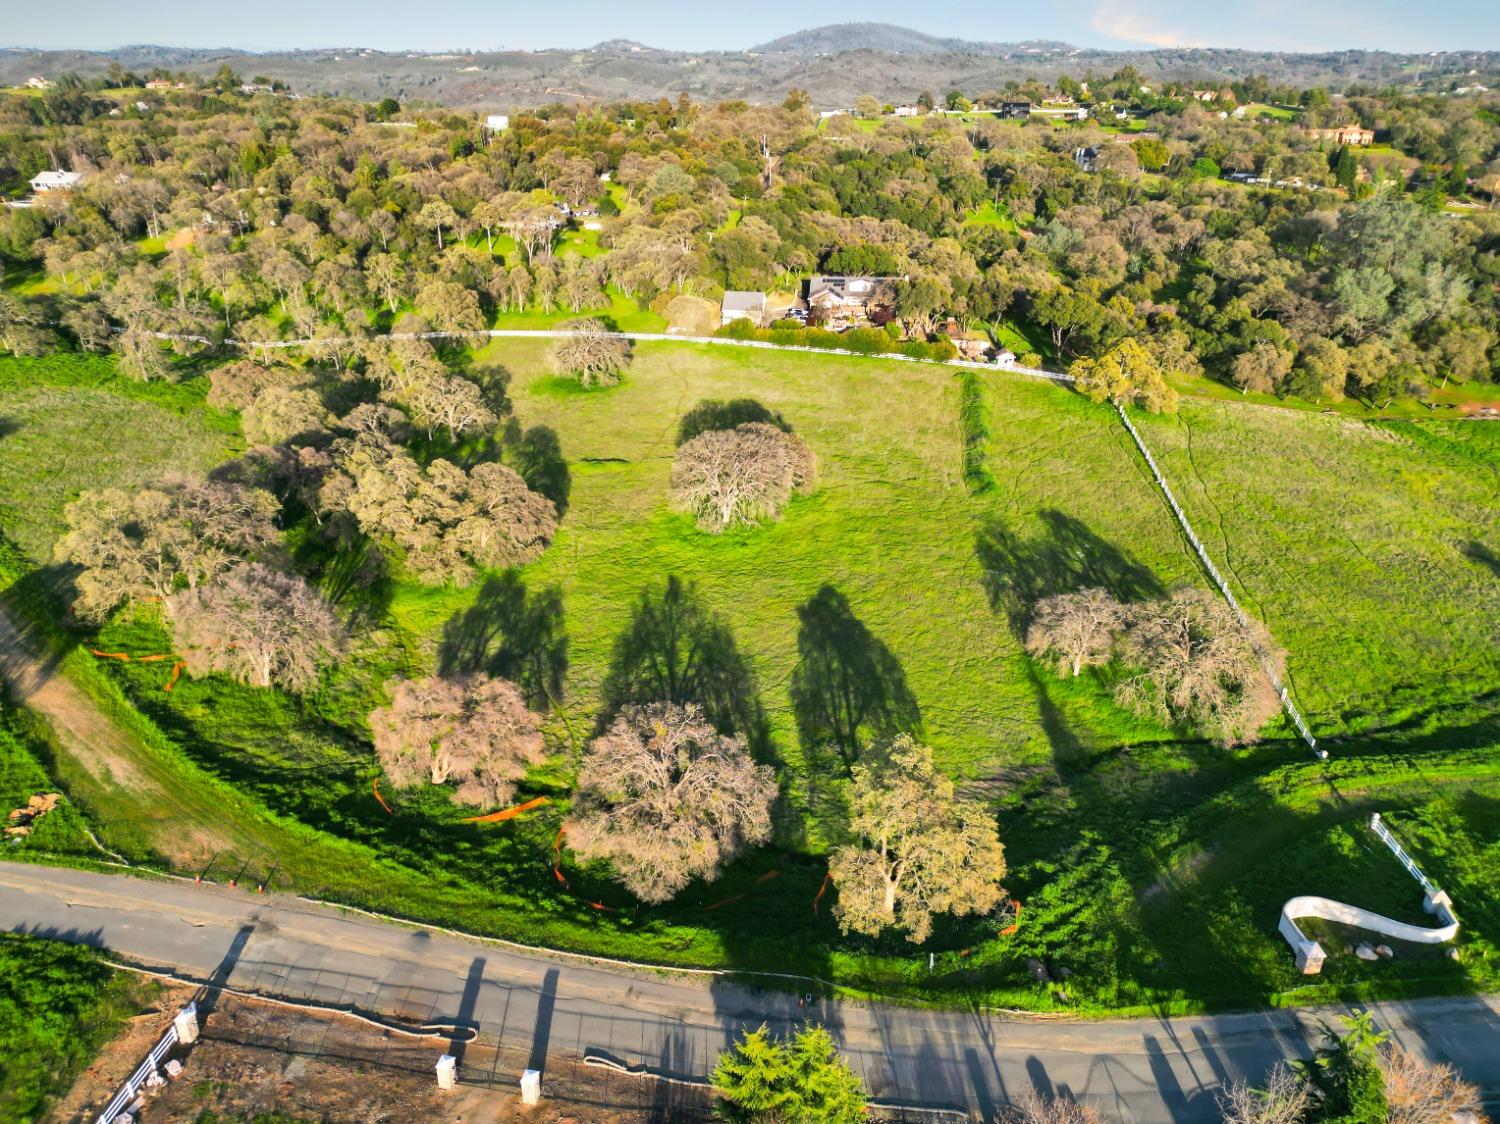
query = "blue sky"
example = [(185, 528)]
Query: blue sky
[(1395, 25)]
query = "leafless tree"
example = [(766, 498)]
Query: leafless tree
[(257, 625), (235, 385), (666, 799), (1193, 664), (1285, 1099), (1035, 1108), (917, 849), (445, 521), (590, 353), (475, 732), (1078, 629), (729, 477), (1419, 1092), (132, 545)]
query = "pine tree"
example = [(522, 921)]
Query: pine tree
[(800, 1081)]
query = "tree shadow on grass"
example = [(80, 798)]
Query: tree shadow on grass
[(536, 453), (512, 634), (1478, 553), (848, 688), (1065, 556), (676, 650), (713, 414)]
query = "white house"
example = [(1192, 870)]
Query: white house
[(55, 181), (39, 83), (905, 111), (741, 304), (497, 122)]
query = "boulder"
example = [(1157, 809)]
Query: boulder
[(1037, 969), (1365, 952), (1385, 952)]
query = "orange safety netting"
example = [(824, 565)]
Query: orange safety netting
[(823, 889), (1015, 924), (510, 813), (126, 657), (375, 788)]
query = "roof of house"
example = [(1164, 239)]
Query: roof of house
[(45, 180), (743, 300)]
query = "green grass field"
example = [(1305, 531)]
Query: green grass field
[(1149, 863), (59, 1004)]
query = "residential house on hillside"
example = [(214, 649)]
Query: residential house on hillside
[(742, 304), (44, 182), (1346, 134), (841, 301), (1087, 158), (1014, 109), (905, 111), (39, 83)]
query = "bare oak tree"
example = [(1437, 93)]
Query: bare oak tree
[(1193, 664), (257, 625), (591, 354), (475, 732), (1419, 1092), (1078, 630), (1285, 1099), (444, 520), (132, 545), (740, 476), (1034, 1108), (667, 799), (917, 850)]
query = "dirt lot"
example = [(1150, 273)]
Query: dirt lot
[(256, 1058)]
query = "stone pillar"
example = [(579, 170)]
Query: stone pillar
[(186, 1023), (531, 1086), (447, 1071)]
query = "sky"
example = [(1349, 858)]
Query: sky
[(434, 25)]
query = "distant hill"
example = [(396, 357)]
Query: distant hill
[(837, 38), (833, 64)]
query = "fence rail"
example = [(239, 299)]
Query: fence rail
[(142, 1076), (1377, 825), (1213, 572)]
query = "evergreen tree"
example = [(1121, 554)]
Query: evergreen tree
[(800, 1081)]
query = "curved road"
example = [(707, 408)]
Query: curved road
[(1135, 1070)]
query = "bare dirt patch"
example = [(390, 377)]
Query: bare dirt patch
[(257, 1057)]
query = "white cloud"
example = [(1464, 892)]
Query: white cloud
[(1126, 21)]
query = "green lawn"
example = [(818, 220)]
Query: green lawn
[(1149, 863), (67, 422), (992, 215)]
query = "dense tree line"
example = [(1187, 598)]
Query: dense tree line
[(323, 219)]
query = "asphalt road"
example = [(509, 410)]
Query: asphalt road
[(1133, 1070)]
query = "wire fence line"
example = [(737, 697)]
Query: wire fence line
[(1213, 572), (640, 337)]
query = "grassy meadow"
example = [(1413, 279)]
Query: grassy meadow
[(1149, 863)]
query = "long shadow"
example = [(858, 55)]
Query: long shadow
[(536, 453), (1479, 553), (8, 426), (468, 1001), (848, 688), (208, 995), (513, 634), (712, 414), (676, 650), (1065, 555), (541, 1035)]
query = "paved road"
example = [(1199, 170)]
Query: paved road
[(1134, 1070)]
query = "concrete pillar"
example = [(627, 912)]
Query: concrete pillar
[(186, 1023), (531, 1086), (1310, 957), (447, 1071)]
